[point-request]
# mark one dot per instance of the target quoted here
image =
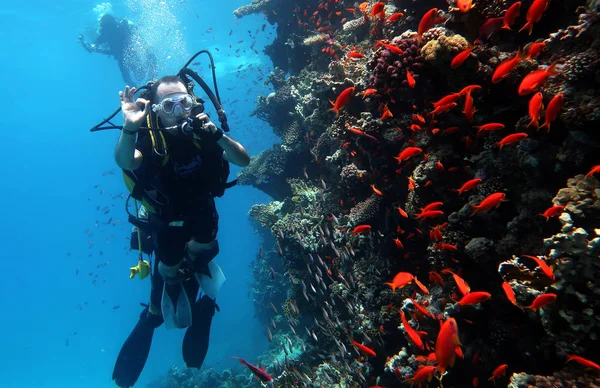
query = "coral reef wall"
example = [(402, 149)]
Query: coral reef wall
[(436, 212)]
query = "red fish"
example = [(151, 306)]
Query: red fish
[(469, 185), (432, 206), (408, 153), (462, 285), (461, 57), (364, 349), (464, 6), (386, 113), (491, 201), (260, 373), (355, 54), (442, 109), (474, 298), (542, 301), (511, 15), (543, 266), (421, 286), (395, 17), (506, 67), (552, 110), (427, 21), (398, 243), (412, 333), (489, 28), (510, 294), (422, 309), (553, 211), (594, 170), (582, 361), (469, 89), (361, 229), (429, 214), (377, 8), (510, 139), (536, 104), (469, 108), (360, 132), (446, 344), (534, 14), (342, 100), (402, 212), (447, 100), (499, 371), (534, 49), (421, 375), (489, 127), (400, 280), (535, 79), (410, 79)]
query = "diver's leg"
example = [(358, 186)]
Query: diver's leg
[(196, 339), (125, 73), (135, 350)]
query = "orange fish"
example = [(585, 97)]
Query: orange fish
[(489, 127), (582, 361), (488, 28), (461, 57), (398, 243), (361, 229), (536, 104), (510, 294), (368, 92), (474, 298), (408, 153), (386, 113), (354, 54), (364, 349), (442, 109), (469, 89), (429, 214), (552, 110), (447, 100), (462, 285), (411, 184), (427, 21), (410, 79), (469, 108), (534, 14), (542, 301), (412, 333), (469, 185), (511, 15), (543, 266), (534, 49), (535, 79), (342, 100), (400, 280), (553, 211), (436, 278), (491, 201), (402, 212), (421, 375), (464, 6), (377, 8), (506, 67), (499, 371), (360, 132), (432, 206), (421, 309), (446, 344), (376, 190), (510, 139), (594, 170), (395, 17), (421, 286)]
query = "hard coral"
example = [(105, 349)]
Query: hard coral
[(365, 210), (389, 69)]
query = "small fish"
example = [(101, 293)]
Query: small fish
[(510, 294), (429, 214), (511, 139), (395, 17), (408, 153), (447, 99), (421, 286), (506, 67), (552, 110), (272, 272), (542, 301), (511, 15), (422, 374), (461, 57), (400, 280), (582, 361), (412, 333), (499, 371), (342, 100), (535, 79), (536, 104), (464, 6), (410, 79), (489, 27), (260, 373), (427, 21), (274, 309), (364, 349), (543, 266), (402, 212), (534, 14), (376, 190), (446, 344), (474, 298), (398, 243), (361, 229), (469, 108), (491, 201), (386, 113), (534, 49), (354, 54), (553, 211), (269, 334), (432, 206), (468, 185), (461, 284), (594, 170)]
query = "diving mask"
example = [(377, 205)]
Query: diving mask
[(176, 104)]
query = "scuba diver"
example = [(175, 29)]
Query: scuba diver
[(175, 160), (114, 38)]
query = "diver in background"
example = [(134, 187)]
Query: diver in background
[(176, 175), (115, 39)]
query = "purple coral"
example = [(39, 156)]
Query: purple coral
[(389, 69)]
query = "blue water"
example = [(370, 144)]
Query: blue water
[(53, 92)]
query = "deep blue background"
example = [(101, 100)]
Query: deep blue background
[(53, 92)]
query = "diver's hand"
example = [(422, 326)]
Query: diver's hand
[(134, 112), (208, 126)]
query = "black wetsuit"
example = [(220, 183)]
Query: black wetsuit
[(115, 40), (185, 180)]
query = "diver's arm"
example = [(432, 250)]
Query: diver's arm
[(233, 151), (126, 156)]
